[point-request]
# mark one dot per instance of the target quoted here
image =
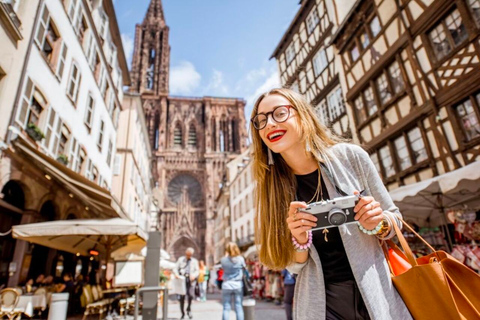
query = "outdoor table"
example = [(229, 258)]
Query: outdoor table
[(30, 302)]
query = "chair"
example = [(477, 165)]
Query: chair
[(92, 307), (8, 301)]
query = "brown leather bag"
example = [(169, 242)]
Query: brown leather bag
[(437, 286)]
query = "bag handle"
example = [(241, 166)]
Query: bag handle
[(404, 244)]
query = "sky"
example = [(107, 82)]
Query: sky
[(218, 47)]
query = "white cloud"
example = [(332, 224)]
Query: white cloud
[(217, 85), (184, 79), (273, 81), (127, 42)]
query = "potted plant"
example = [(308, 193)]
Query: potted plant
[(34, 132), (62, 159), (163, 278)]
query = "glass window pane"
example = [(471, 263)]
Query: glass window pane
[(396, 78), (320, 62), (360, 110), (402, 153), (364, 40), (468, 120), (375, 26), (387, 162), (417, 145), (382, 87), (375, 161), (439, 41), (354, 53), (322, 112), (474, 6), (370, 101), (456, 27)]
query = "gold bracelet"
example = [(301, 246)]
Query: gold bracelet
[(385, 229)]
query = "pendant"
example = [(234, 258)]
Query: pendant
[(325, 232)]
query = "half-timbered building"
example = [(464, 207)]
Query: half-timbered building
[(306, 63), (411, 73)]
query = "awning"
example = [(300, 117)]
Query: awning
[(80, 236), (95, 197), (427, 201)]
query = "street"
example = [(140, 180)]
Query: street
[(212, 309)]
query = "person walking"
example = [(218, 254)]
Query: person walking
[(342, 271), (187, 266), (203, 275), (232, 287), (288, 289)]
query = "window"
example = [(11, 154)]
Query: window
[(336, 106), (103, 25), (468, 119), (116, 115), (100, 135), (113, 53), (320, 62), (177, 136), (81, 156), (109, 153), (48, 39), (402, 153), (290, 52), (92, 56), (192, 136), (354, 53), (396, 78), (49, 128), (295, 87), (74, 83), (364, 40), (448, 34), (32, 105), (61, 61), (312, 20), (417, 145), (80, 25), (360, 110), (370, 101), (74, 146), (89, 112), (387, 161), (72, 9), (375, 26), (117, 163), (56, 134), (321, 110), (474, 6), (63, 141), (382, 88)]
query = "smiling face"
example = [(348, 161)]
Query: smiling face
[(279, 137)]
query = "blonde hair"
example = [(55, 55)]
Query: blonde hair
[(276, 184), (232, 249)]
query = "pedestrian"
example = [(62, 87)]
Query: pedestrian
[(219, 278), (187, 266), (342, 271), (203, 276), (288, 289), (233, 265)]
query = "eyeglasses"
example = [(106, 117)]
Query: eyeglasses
[(279, 114)]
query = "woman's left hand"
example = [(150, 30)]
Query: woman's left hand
[(368, 212)]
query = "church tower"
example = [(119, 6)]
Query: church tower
[(192, 139)]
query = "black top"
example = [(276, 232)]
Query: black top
[(336, 267)]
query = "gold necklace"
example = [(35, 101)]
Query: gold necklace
[(319, 190)]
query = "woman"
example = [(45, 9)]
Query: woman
[(342, 272), (203, 276), (232, 286)]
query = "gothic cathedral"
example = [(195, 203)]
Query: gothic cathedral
[(192, 140)]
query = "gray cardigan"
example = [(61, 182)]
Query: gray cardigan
[(350, 168)]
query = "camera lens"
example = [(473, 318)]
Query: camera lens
[(336, 217)]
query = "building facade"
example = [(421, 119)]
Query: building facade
[(411, 70), (307, 63), (60, 144), (192, 140), (132, 169)]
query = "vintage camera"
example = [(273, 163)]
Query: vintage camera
[(332, 213)]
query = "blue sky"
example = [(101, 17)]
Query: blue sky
[(218, 47)]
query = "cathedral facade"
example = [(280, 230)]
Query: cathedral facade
[(192, 139)]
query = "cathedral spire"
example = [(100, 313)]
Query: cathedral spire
[(155, 12)]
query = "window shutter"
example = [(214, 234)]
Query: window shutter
[(42, 26)]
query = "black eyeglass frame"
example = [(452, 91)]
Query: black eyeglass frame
[(272, 114)]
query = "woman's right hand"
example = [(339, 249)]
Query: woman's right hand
[(300, 222)]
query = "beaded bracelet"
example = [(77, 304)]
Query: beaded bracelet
[(371, 232), (302, 247)]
